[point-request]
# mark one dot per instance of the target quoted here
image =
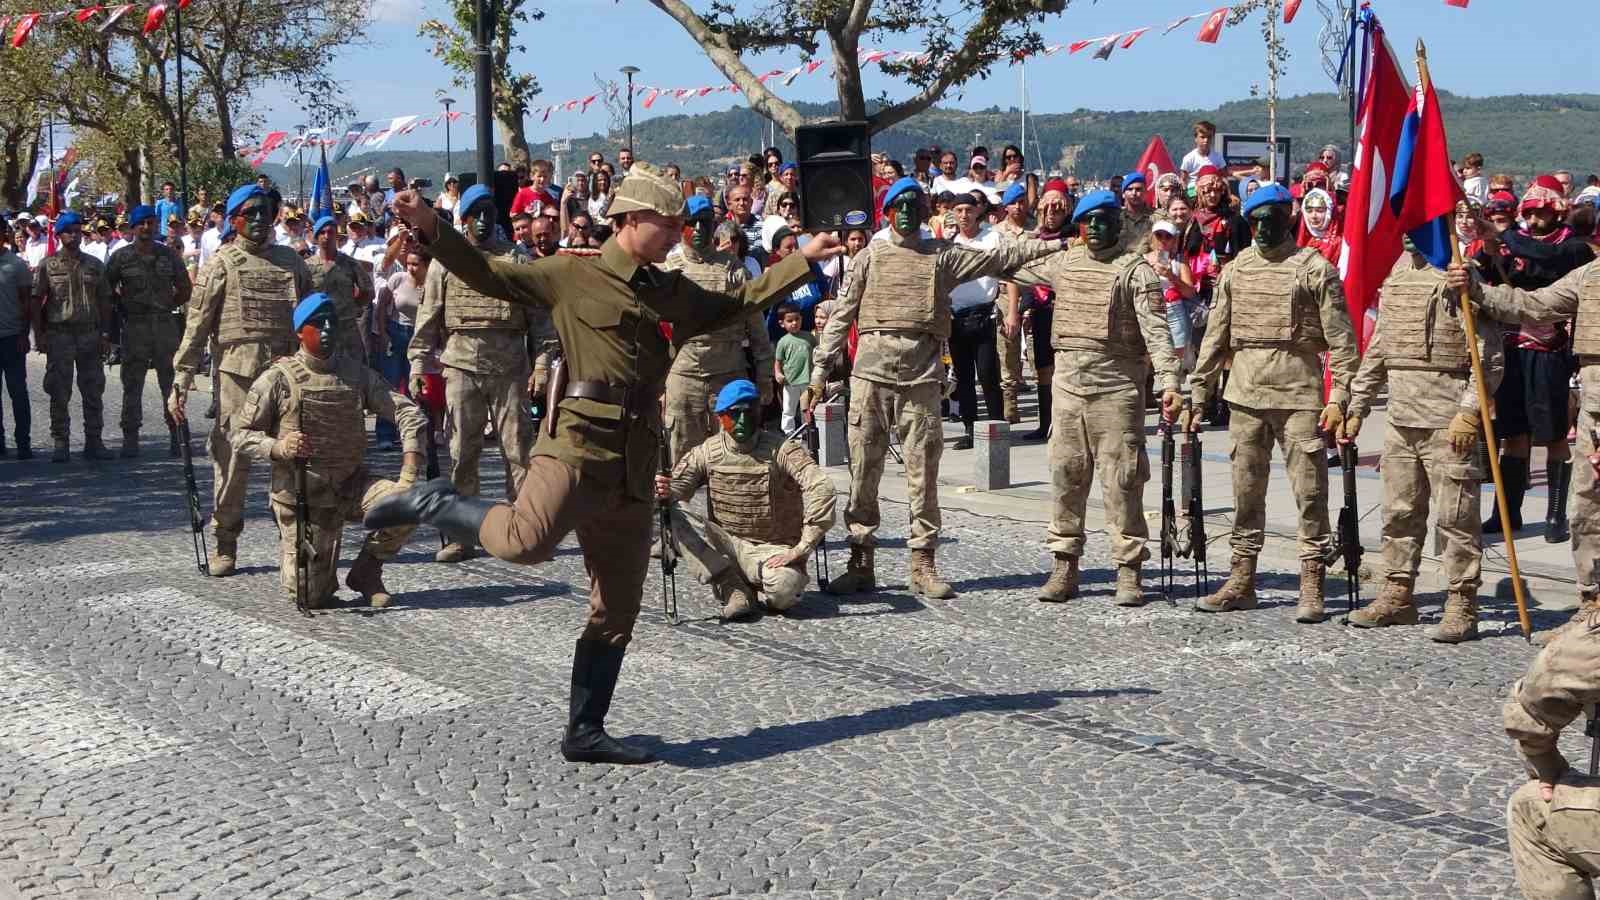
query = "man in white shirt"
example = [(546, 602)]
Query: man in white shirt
[(38, 242), (972, 330), (948, 179), (94, 242)]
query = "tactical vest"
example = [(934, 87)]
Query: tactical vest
[(751, 498), (73, 289), (901, 292), (1086, 308), (1586, 331), (147, 280), (260, 298), (465, 309), (337, 279), (1421, 330), (1270, 310), (328, 409)]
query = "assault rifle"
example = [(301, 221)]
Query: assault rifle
[(1169, 512), (669, 546), (1348, 542), (302, 541), (1197, 514), (197, 524)]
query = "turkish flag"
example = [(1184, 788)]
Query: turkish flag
[(1212, 29), (1426, 183), (1290, 8), (1459, 4), (1155, 161)]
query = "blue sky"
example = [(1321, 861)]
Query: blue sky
[(1494, 47)]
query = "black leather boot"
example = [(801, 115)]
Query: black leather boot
[(595, 665), (1558, 478), (965, 441), (433, 503), (1043, 431), (1514, 473)]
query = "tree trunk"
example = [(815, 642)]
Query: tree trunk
[(132, 175), (225, 139), (15, 191)]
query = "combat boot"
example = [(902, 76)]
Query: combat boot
[(1238, 592), (1587, 605), (1063, 583), (1128, 590), (93, 448), (221, 564), (1460, 620), (366, 578), (1313, 581), (1395, 606), (859, 575), (737, 604), (130, 444), (434, 503), (965, 441), (595, 667), (63, 452), (24, 450), (925, 577)]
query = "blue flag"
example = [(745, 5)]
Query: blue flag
[(352, 136), (322, 190)]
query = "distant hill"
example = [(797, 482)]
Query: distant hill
[(1517, 134)]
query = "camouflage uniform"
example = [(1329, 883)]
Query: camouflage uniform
[(245, 300), (1555, 845), (1275, 313), (900, 291), (1109, 318), (1419, 349), (1576, 294), (486, 372), (706, 362), (765, 499), (341, 278), (326, 399), (150, 286), (75, 305), (1009, 348)]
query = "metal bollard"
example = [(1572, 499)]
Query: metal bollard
[(991, 459), (832, 440)]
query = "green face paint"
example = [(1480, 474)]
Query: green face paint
[(907, 215), (743, 419), (1271, 223), (1102, 228), (705, 229)]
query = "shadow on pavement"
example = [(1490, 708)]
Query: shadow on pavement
[(819, 605), (763, 743)]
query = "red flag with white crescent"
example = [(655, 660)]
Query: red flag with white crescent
[(1290, 9), (154, 18), (85, 14), (24, 28), (1212, 29)]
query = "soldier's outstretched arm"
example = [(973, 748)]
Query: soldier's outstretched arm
[(693, 310), (1344, 355), (959, 264), (200, 323), (1547, 304)]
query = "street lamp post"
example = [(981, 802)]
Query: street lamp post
[(630, 71), (485, 12), (447, 102), (183, 149), (300, 154)]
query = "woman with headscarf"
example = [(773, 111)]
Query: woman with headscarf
[(1319, 224)]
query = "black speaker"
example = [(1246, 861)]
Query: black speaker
[(505, 194), (835, 175)]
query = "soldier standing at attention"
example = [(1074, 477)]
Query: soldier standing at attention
[(594, 471), (312, 407), (769, 508), (75, 313), (485, 357), (1275, 310), (1419, 349), (150, 282), (340, 277), (900, 291), (707, 362), (1109, 317), (245, 301)]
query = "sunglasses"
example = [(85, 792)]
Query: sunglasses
[(596, 161), (783, 203)]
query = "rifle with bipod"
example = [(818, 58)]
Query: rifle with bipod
[(669, 546), (1169, 513), (197, 524), (1348, 542), (1196, 509), (302, 541)]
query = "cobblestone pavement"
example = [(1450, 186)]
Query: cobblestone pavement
[(165, 734)]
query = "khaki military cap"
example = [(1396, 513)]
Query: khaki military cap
[(645, 188)]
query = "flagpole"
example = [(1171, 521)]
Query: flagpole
[(1468, 321)]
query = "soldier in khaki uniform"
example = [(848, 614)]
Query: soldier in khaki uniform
[(485, 357), (593, 471), (769, 508), (150, 282), (900, 293), (1576, 294), (1276, 309), (1109, 318), (74, 308), (707, 362), (1419, 349), (1553, 819), (340, 277), (245, 300), (1008, 325), (311, 407)]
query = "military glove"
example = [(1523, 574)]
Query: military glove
[(1332, 419), (1352, 427), (1463, 431)]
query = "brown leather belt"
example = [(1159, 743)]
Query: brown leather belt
[(629, 398)]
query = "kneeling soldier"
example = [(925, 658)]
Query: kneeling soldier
[(769, 508), (311, 407)]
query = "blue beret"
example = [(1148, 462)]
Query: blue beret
[(472, 197), (1101, 199), (308, 308), (140, 213), (1271, 192), (697, 205), (68, 219), (1133, 177), (324, 222), (785, 167), (240, 195), (900, 187), (1014, 193), (735, 393)]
